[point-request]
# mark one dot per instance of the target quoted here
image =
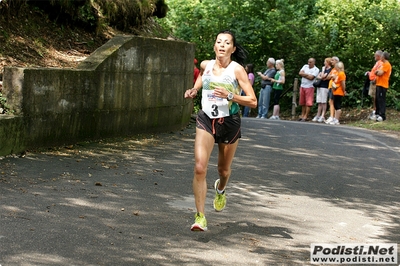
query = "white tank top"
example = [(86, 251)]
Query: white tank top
[(213, 106)]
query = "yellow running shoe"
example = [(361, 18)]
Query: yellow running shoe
[(200, 222), (220, 199)]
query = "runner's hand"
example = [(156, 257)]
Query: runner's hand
[(191, 93), (221, 92)]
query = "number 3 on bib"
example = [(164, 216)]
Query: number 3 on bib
[(214, 107), (215, 110)]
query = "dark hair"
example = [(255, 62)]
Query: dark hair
[(250, 68), (240, 53)]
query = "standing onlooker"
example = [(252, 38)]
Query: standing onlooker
[(308, 73), (332, 76), (250, 73), (322, 90), (265, 92), (277, 88), (196, 71), (382, 85), (339, 90), (372, 84)]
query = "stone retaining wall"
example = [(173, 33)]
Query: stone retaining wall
[(129, 85)]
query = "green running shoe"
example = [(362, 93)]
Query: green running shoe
[(200, 222), (220, 199)]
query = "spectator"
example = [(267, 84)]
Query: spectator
[(332, 75), (382, 85), (308, 74), (277, 88), (266, 88), (250, 73), (196, 71), (339, 90), (372, 84), (322, 90)]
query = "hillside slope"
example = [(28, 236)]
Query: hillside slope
[(30, 40)]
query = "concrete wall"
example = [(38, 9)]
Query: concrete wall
[(130, 85)]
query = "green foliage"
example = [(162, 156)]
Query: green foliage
[(128, 15), (3, 100), (296, 30), (393, 99), (88, 14), (5, 34), (132, 12), (3, 104)]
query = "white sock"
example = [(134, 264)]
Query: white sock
[(220, 191)]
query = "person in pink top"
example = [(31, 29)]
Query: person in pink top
[(250, 73)]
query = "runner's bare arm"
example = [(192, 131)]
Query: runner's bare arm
[(250, 98), (191, 93)]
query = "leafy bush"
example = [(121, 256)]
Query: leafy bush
[(295, 31), (392, 99), (4, 106)]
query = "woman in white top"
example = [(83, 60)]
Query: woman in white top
[(219, 120), (322, 91)]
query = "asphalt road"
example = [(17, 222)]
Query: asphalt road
[(129, 201)]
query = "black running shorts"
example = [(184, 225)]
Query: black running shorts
[(225, 130)]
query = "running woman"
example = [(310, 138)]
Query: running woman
[(219, 120)]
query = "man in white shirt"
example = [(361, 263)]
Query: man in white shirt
[(308, 74)]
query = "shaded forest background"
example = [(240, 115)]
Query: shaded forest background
[(62, 33), (295, 30)]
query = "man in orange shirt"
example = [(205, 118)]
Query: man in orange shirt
[(382, 85)]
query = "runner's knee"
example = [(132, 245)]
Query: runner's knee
[(200, 169)]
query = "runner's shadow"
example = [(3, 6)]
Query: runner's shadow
[(221, 231)]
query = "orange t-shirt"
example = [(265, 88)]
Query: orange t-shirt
[(372, 75), (383, 81), (339, 89), (333, 72)]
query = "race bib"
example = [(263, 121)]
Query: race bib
[(214, 107)]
